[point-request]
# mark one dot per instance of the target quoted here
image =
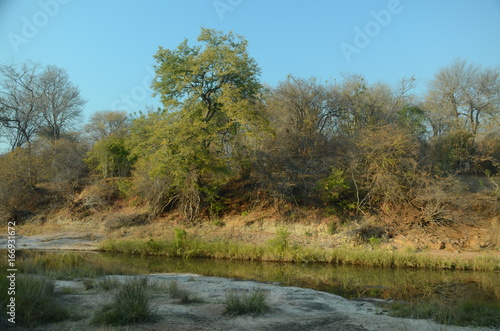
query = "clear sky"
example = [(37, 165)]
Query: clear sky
[(107, 46)]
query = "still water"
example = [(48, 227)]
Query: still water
[(348, 281)]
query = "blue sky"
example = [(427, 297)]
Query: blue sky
[(107, 47)]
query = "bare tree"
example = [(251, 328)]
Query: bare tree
[(60, 102), (304, 106), (462, 96), (19, 106), (302, 115), (360, 105), (34, 102), (104, 124)]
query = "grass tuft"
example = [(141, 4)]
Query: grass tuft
[(246, 304), (184, 296), (130, 305), (108, 283), (35, 301)]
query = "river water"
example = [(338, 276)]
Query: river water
[(348, 281)]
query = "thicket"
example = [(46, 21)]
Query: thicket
[(222, 136)]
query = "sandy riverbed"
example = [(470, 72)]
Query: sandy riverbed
[(292, 308)]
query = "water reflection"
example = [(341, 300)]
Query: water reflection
[(347, 281)]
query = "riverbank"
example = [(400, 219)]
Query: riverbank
[(284, 245)]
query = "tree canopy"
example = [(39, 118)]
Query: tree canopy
[(210, 93)]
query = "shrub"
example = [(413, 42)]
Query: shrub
[(281, 242), (453, 152), (17, 180), (61, 163), (180, 236), (334, 185), (384, 166)]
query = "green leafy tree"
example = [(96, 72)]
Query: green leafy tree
[(413, 119), (109, 157), (210, 93)]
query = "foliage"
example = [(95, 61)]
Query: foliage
[(69, 265), (488, 153), (223, 143), (413, 119), (110, 158), (453, 152), (302, 114), (336, 190), (180, 236), (155, 191), (463, 97), (334, 185), (61, 162), (342, 255), (210, 98)]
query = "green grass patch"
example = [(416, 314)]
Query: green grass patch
[(108, 283), (66, 266), (279, 249), (36, 302), (465, 313), (130, 305), (246, 304), (183, 295)]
